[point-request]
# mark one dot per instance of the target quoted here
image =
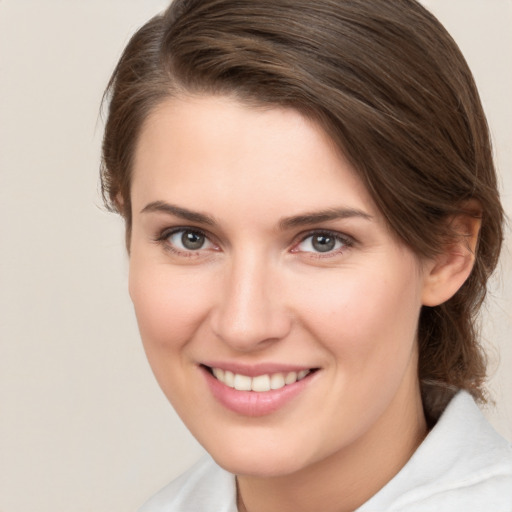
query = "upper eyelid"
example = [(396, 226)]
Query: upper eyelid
[(319, 231), (167, 232)]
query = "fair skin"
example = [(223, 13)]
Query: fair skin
[(255, 248)]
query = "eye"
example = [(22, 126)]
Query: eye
[(322, 242), (184, 240)]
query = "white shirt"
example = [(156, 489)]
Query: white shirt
[(463, 465)]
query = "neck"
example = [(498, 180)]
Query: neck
[(360, 469)]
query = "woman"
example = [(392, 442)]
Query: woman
[(312, 216)]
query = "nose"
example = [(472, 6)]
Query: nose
[(251, 310)]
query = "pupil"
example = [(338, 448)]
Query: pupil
[(324, 243), (191, 240)]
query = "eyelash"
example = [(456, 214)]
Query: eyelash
[(346, 241), (163, 239)]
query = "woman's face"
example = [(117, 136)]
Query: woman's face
[(258, 255)]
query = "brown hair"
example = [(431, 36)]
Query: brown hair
[(388, 84)]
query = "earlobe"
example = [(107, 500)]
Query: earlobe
[(447, 272)]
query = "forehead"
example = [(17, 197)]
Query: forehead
[(208, 149)]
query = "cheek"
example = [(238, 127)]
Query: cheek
[(365, 319), (169, 305)]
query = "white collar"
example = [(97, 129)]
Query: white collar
[(461, 450)]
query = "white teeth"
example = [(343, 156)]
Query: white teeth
[(242, 382), (229, 379), (277, 381), (219, 373), (290, 378), (260, 383)]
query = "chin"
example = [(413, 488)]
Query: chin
[(257, 461), (260, 467)]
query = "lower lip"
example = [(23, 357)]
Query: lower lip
[(253, 403)]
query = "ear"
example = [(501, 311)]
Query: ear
[(120, 206), (447, 272), (119, 202)]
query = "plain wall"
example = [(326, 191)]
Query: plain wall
[(83, 425)]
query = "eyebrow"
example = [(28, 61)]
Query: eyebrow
[(178, 211), (327, 215), (294, 221)]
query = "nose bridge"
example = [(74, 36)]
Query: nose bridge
[(251, 311)]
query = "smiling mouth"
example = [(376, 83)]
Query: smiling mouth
[(259, 383)]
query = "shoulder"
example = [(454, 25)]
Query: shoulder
[(462, 465), (204, 487)]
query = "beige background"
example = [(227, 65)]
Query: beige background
[(83, 427)]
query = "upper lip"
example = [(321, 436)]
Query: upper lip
[(253, 370)]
